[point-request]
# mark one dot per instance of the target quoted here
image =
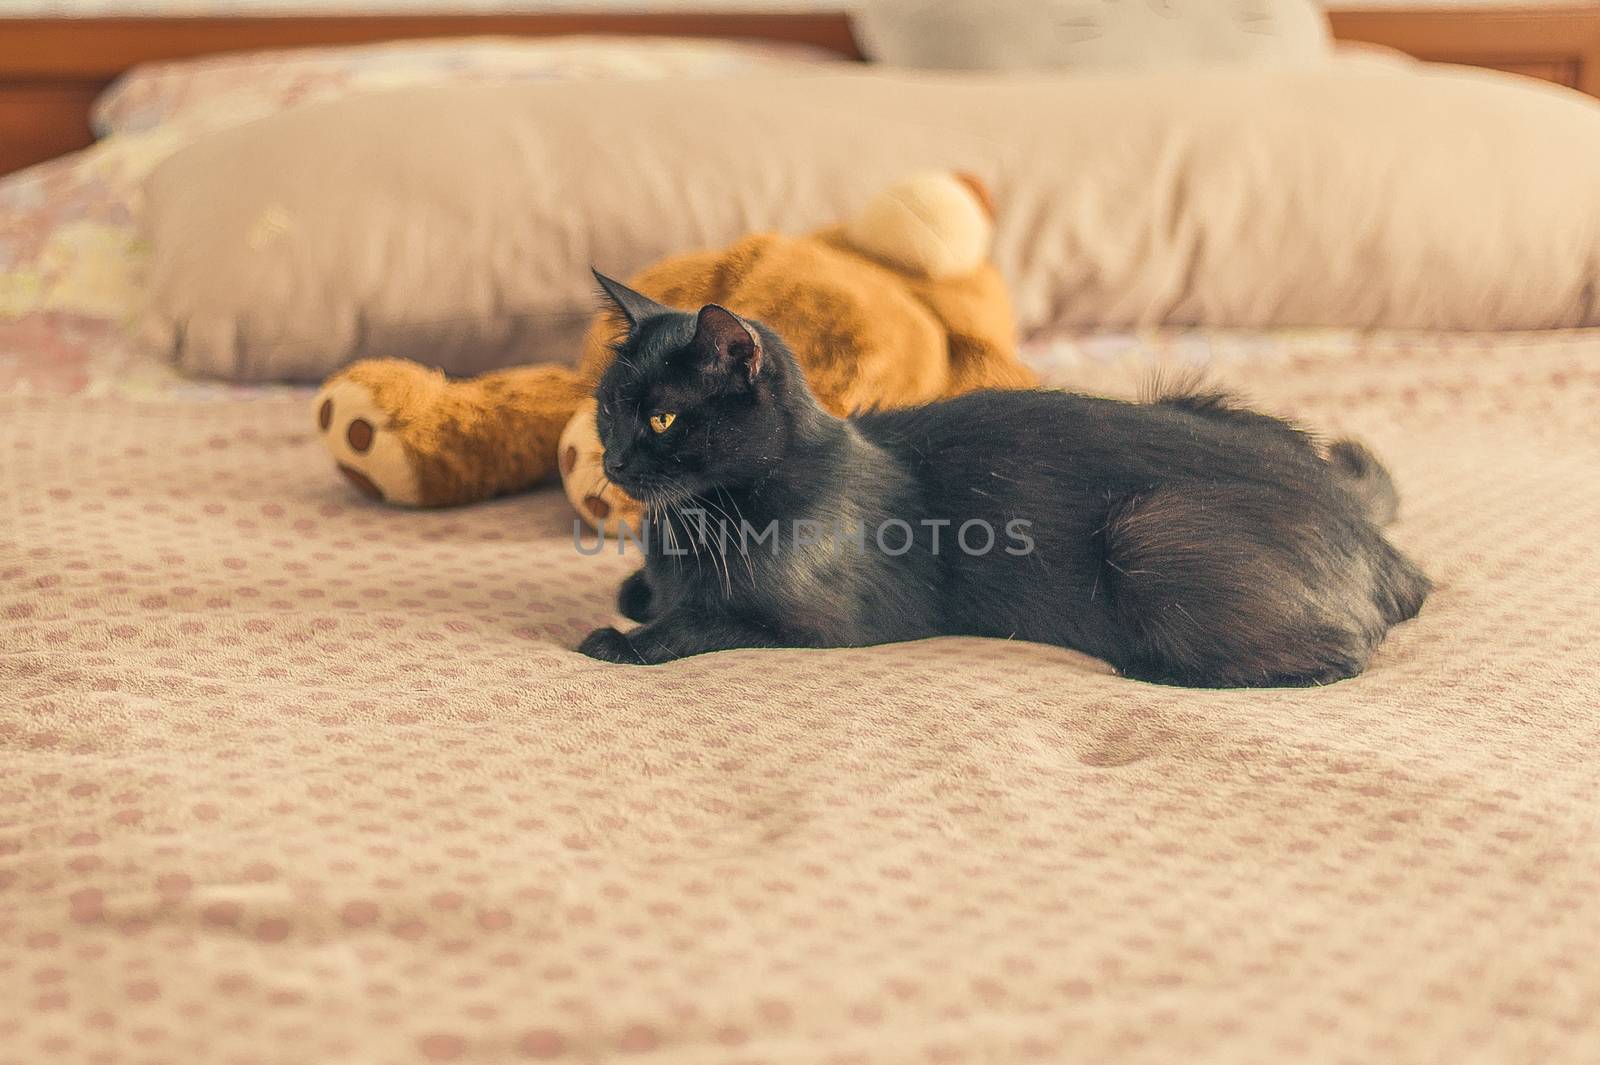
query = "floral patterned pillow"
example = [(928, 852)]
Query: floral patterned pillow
[(228, 89)]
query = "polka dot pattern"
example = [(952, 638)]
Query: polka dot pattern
[(287, 776)]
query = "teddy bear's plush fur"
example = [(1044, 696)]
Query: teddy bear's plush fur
[(899, 306)]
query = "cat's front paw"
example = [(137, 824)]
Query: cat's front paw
[(609, 645), (634, 599)]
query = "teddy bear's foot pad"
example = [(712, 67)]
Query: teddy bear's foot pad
[(367, 450), (362, 483)]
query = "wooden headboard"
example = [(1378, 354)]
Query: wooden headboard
[(51, 69), (1559, 43)]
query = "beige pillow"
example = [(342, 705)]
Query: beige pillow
[(456, 225)]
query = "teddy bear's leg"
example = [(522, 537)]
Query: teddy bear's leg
[(938, 228), (934, 225), (405, 434)]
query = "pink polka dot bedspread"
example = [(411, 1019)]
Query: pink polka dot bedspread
[(288, 778)]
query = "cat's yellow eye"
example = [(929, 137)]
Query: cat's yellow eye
[(663, 421)]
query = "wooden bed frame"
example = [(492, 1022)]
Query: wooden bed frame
[(51, 69)]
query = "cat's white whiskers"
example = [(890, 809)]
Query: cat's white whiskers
[(727, 577), (724, 519), (698, 568), (744, 550), (722, 546)]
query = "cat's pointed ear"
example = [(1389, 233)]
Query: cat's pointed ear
[(727, 341), (635, 306)]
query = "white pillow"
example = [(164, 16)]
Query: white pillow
[(1090, 34)]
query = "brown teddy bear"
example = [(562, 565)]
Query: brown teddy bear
[(896, 307)]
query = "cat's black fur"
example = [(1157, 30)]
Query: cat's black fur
[(1184, 540)]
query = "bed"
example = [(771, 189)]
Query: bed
[(287, 776)]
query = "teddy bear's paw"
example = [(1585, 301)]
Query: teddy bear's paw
[(364, 444), (602, 505)]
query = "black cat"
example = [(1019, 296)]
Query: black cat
[(1184, 541)]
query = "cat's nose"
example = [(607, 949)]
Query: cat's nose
[(612, 465)]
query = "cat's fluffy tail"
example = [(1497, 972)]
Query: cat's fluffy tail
[(1366, 477), (1355, 464)]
